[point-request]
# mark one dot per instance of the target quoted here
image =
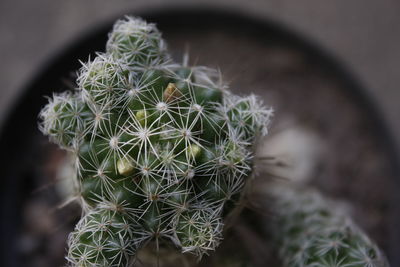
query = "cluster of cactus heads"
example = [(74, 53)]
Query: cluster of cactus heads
[(312, 231), (162, 150), (162, 155)]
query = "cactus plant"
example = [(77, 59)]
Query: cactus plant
[(163, 150), (311, 230)]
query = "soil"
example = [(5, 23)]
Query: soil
[(355, 166)]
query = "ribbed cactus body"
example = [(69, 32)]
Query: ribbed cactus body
[(312, 231), (160, 146)]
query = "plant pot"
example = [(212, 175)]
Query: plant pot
[(307, 88)]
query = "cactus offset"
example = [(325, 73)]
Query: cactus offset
[(160, 148), (312, 231)]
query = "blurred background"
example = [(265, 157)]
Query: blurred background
[(363, 34), (321, 120)]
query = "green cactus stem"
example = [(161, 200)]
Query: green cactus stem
[(313, 231), (160, 149)]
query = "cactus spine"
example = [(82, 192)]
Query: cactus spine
[(311, 231), (160, 148)]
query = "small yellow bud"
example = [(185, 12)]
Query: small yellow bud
[(141, 116), (194, 151), (125, 166), (171, 93)]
